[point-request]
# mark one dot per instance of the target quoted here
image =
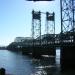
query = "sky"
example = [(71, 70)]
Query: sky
[(16, 18)]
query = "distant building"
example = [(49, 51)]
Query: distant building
[(22, 39)]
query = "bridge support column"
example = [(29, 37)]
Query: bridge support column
[(67, 58)]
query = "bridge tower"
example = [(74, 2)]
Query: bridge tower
[(49, 37), (50, 26), (36, 31), (67, 34), (36, 25), (50, 23)]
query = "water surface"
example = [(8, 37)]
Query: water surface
[(17, 64)]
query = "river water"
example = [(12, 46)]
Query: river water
[(17, 64)]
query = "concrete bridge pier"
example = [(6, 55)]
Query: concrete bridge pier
[(67, 58)]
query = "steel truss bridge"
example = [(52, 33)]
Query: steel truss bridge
[(50, 40), (46, 43)]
